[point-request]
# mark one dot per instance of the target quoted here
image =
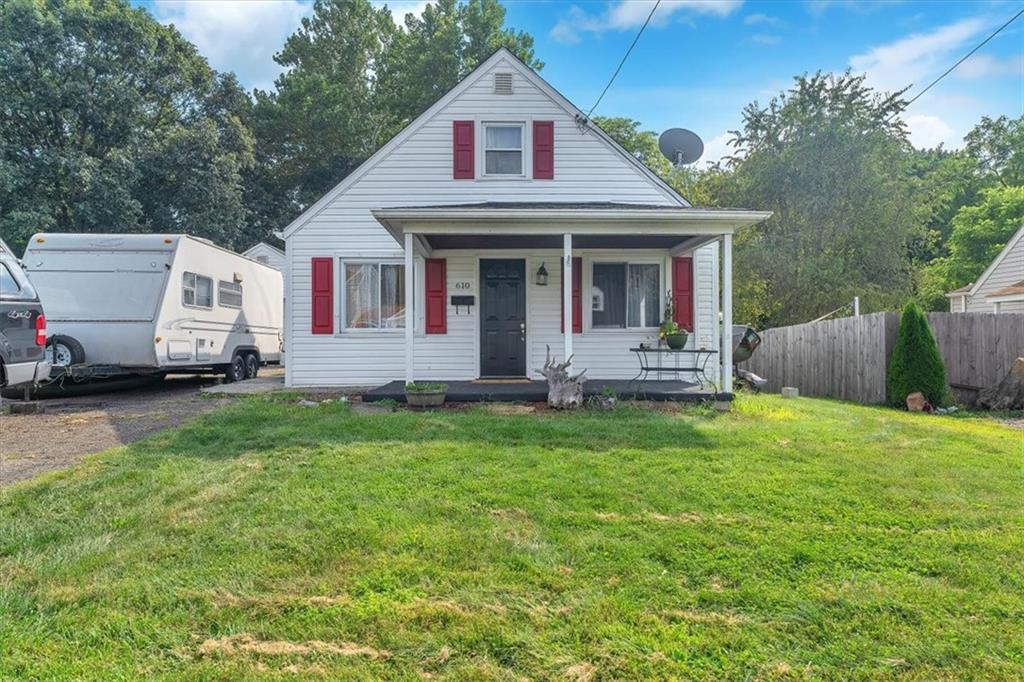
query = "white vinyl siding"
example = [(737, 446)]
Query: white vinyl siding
[(1009, 271)]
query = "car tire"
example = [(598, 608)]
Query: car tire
[(236, 370), (252, 366), (63, 351)]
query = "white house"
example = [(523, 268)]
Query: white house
[(266, 254), (1000, 289), (524, 226)]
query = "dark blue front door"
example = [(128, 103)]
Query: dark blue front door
[(503, 317)]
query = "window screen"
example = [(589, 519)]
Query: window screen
[(229, 294)]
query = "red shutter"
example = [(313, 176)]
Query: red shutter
[(577, 297), (682, 292), (463, 155), (323, 295), (543, 150), (436, 276)]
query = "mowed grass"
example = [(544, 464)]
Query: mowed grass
[(785, 540)]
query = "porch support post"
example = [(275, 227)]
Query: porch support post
[(410, 309), (567, 294), (727, 313)]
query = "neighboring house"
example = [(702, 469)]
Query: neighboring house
[(524, 225), (266, 254), (1000, 289)]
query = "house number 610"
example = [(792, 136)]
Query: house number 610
[(463, 285)]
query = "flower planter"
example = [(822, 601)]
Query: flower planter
[(677, 341), (425, 396)]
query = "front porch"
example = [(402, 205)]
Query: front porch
[(532, 390)]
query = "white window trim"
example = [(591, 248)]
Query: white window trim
[(588, 285), (341, 313), (195, 291), (481, 160)]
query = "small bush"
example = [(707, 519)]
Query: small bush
[(916, 364), (425, 388)]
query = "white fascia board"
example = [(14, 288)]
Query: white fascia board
[(1008, 298), (998, 259)]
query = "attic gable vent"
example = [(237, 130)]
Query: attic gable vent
[(503, 84)]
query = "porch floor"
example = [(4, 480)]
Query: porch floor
[(537, 391)]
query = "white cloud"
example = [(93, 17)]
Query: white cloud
[(401, 8), (629, 14), (765, 39), (716, 148), (927, 131), (236, 36), (761, 19), (984, 66), (912, 59)]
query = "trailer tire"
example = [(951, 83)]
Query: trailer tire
[(252, 366), (64, 350), (236, 370)]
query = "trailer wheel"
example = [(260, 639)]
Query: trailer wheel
[(252, 366), (236, 370), (63, 351)]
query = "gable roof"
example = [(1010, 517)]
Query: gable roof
[(998, 259), (263, 245), (1012, 290), (446, 99)]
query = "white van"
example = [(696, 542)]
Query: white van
[(154, 303)]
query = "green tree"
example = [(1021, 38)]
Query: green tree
[(830, 160), (916, 364), (979, 233), (998, 146), (112, 122)]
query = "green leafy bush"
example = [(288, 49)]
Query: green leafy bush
[(915, 364), (426, 388)]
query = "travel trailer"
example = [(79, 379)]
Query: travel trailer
[(153, 304)]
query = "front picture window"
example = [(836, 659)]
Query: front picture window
[(625, 295), (503, 149), (374, 295)]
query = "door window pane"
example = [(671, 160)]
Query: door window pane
[(643, 299), (610, 289)]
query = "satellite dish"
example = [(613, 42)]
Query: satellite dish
[(680, 146)]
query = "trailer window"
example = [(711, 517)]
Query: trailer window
[(229, 294), (197, 291)]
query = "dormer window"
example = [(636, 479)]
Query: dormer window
[(503, 149)]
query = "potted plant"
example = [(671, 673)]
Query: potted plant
[(670, 332), (425, 395)]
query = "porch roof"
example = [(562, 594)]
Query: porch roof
[(600, 224)]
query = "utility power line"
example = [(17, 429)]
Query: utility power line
[(959, 62), (624, 58)]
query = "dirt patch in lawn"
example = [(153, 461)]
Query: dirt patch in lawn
[(70, 428), (247, 644)]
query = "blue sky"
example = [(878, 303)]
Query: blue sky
[(701, 61)]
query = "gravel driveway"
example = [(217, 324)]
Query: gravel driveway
[(71, 428)]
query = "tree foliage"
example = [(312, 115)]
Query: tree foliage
[(998, 146), (112, 122), (916, 364)]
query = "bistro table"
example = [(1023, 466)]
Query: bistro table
[(668, 360)]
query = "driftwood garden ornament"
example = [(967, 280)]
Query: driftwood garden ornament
[(564, 391)]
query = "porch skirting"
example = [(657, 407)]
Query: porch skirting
[(537, 391)]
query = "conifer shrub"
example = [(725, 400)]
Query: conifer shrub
[(915, 364)]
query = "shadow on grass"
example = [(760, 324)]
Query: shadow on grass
[(259, 424)]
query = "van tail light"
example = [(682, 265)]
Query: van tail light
[(41, 330)]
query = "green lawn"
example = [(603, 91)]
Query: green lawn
[(785, 540)]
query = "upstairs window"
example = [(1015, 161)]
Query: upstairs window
[(626, 295), (196, 290), (503, 149), (229, 294)]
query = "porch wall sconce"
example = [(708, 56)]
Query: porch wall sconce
[(542, 276)]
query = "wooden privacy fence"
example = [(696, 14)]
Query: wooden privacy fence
[(847, 357)]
